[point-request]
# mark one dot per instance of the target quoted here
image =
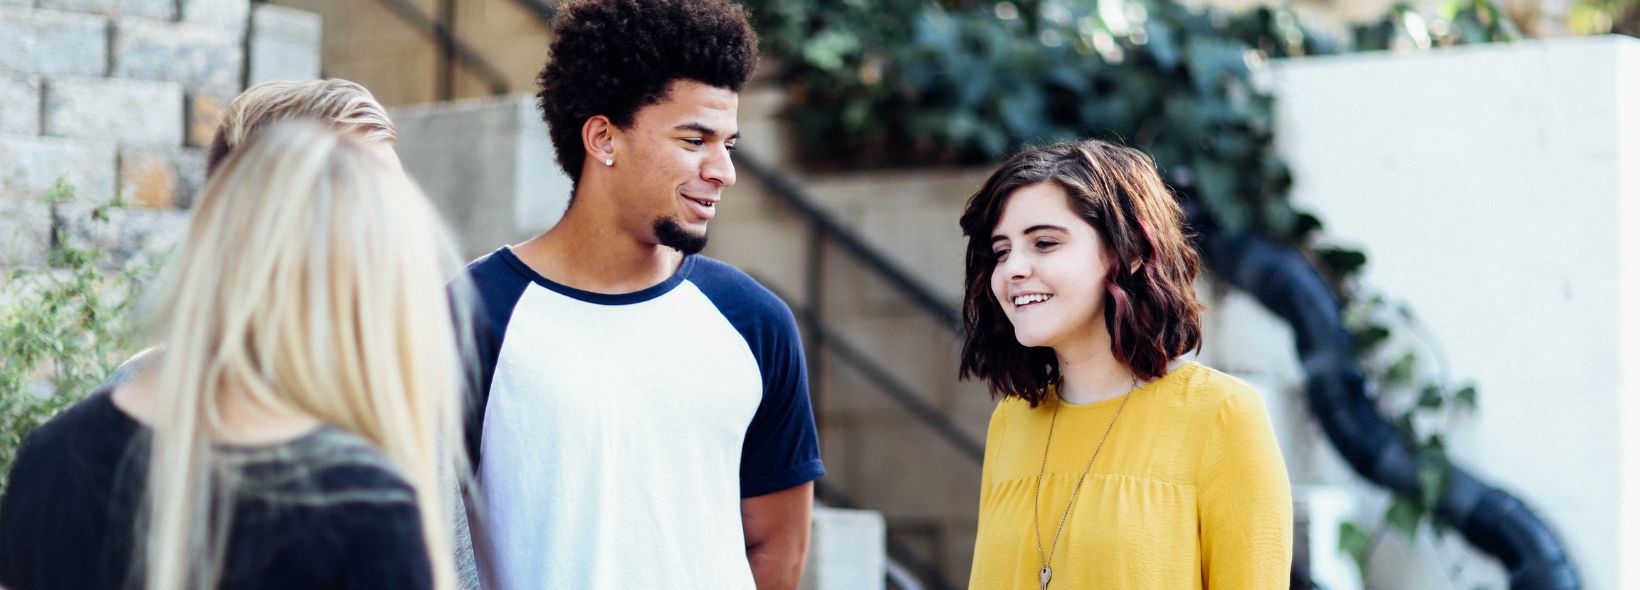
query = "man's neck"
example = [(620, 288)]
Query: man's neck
[(591, 252)]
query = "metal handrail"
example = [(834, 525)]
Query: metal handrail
[(543, 11), (450, 43), (905, 395), (789, 192), (823, 339)]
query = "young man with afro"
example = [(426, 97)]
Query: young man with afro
[(643, 418)]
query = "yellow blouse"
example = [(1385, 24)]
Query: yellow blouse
[(1189, 492)]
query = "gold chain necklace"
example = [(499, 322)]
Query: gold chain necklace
[(1036, 518)]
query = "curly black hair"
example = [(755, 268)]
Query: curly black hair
[(613, 57)]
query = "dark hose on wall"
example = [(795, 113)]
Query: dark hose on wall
[(1286, 283)]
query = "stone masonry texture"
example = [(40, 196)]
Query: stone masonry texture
[(203, 59), (158, 9), (161, 177), (130, 112), (222, 14), (53, 42), (30, 166), (25, 233), (19, 103), (284, 44)]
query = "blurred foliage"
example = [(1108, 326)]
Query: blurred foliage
[(1597, 17), (63, 327), (1458, 22), (927, 82)]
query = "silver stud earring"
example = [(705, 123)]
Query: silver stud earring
[(609, 161)]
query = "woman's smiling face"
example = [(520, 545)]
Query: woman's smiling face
[(1050, 269)]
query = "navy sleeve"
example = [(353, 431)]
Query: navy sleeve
[(782, 447)]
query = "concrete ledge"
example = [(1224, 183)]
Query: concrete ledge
[(847, 550)]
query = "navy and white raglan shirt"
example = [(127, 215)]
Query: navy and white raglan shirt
[(617, 434)]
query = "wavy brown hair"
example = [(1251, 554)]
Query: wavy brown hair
[(1151, 310)]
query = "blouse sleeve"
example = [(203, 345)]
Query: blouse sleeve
[(1245, 500), (993, 441)]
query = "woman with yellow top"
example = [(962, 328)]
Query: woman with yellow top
[(1110, 462)]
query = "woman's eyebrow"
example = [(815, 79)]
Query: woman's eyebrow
[(1045, 227)]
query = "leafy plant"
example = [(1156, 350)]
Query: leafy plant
[(919, 82), (1596, 17), (63, 327)]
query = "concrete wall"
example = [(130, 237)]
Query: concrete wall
[(488, 165), (1494, 189), (845, 550)]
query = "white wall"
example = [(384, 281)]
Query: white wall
[(1497, 190)]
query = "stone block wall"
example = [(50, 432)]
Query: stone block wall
[(122, 98)]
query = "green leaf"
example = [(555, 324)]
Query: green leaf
[(1404, 515), (1401, 372), (1355, 542), (1466, 396), (1430, 398), (1432, 480), (1371, 337), (1343, 262), (1403, 423)]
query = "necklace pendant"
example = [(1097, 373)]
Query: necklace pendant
[(1047, 574)]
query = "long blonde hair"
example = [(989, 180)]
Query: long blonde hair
[(313, 279)]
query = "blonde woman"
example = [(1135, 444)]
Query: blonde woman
[(342, 105), (290, 434)]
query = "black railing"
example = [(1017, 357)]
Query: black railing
[(451, 48), (543, 11), (828, 228), (824, 337), (824, 342)]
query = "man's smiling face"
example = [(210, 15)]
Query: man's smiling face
[(673, 163)]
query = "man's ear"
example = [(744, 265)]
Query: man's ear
[(598, 138)]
